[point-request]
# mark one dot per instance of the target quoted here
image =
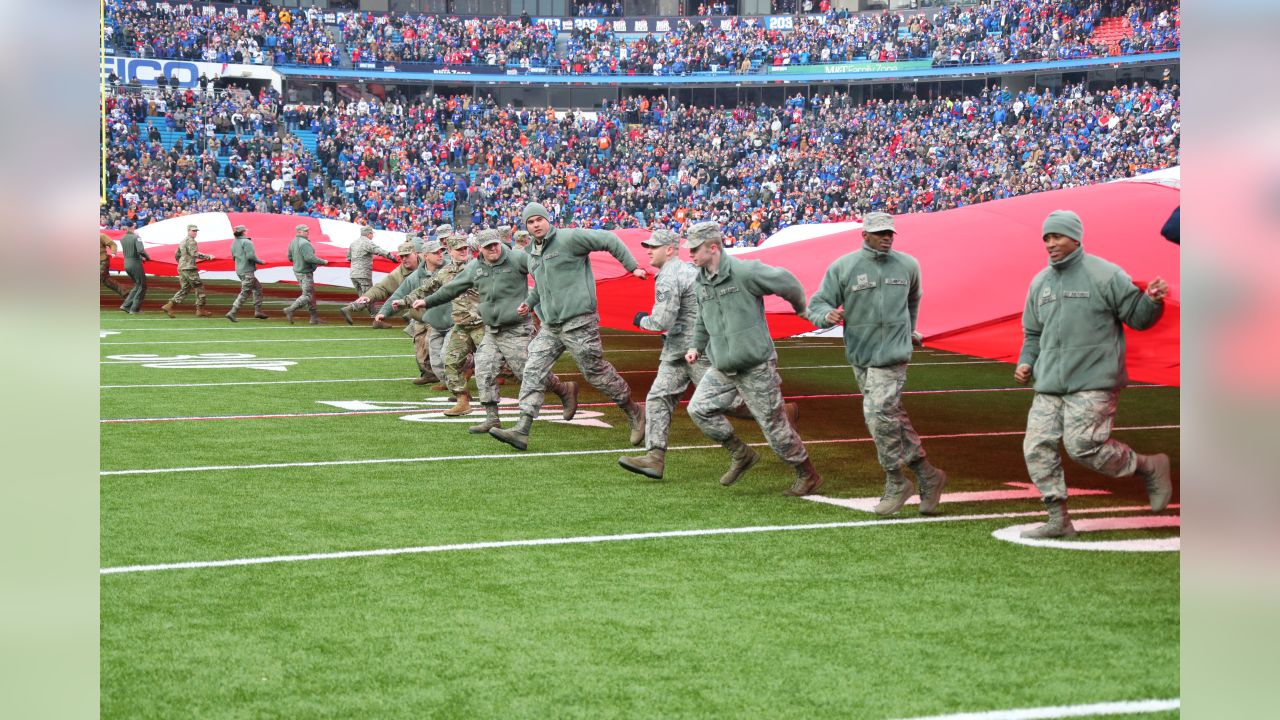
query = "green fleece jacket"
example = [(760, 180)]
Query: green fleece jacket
[(502, 286), (439, 318), (1072, 325), (303, 256), (133, 250), (731, 329), (880, 294), (564, 286), (245, 255)]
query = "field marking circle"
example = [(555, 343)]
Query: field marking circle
[(1133, 522)]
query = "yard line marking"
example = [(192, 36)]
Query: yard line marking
[(262, 359), (585, 539), (561, 453), (391, 411), (251, 382), (623, 372), (1122, 707), (252, 340)]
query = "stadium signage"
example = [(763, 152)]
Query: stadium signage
[(852, 67), (146, 70), (186, 73)]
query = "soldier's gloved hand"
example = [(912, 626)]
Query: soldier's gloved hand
[(639, 316)]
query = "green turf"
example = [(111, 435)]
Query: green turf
[(879, 621)]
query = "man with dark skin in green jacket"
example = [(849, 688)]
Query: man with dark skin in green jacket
[(874, 293), (1073, 346)]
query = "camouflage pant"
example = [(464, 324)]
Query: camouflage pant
[(509, 345), (306, 284), (189, 280), (435, 345), (363, 285), (761, 389), (104, 275), (668, 386), (897, 443), (1082, 421), (581, 337), (462, 342), (249, 286), (428, 348), (138, 292)]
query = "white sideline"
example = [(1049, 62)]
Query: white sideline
[(515, 455), (580, 540), (1123, 707)]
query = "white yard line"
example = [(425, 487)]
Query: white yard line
[(253, 382), (516, 455), (257, 340), (1122, 707), (580, 540)]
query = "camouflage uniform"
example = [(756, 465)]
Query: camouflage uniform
[(188, 275), (247, 261), (105, 251), (581, 337), (134, 255), (1082, 421), (732, 332), (760, 387), (360, 254), (502, 286), (675, 313), (305, 262), (468, 328)]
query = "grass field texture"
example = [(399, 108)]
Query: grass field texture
[(476, 581)]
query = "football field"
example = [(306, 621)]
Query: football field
[(290, 528)]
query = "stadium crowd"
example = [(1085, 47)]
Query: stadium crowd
[(410, 164), (251, 35), (993, 31)]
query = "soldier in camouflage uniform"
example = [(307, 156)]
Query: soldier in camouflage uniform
[(107, 248), (409, 259), (875, 293), (731, 330), (360, 254), (188, 276), (427, 350), (134, 255), (675, 312), (305, 261), (1073, 345), (565, 297), (468, 326), (501, 277), (247, 262)]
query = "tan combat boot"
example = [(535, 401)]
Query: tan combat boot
[(1155, 474), (168, 309), (462, 407), (635, 414), (345, 311), (1059, 524), (807, 480), (651, 464), (201, 312), (288, 314), (569, 401), (518, 436), (490, 420), (742, 457), (931, 481), (897, 489)]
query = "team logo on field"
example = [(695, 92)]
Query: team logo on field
[(204, 361), (508, 410)]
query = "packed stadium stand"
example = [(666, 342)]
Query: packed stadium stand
[(336, 133)]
